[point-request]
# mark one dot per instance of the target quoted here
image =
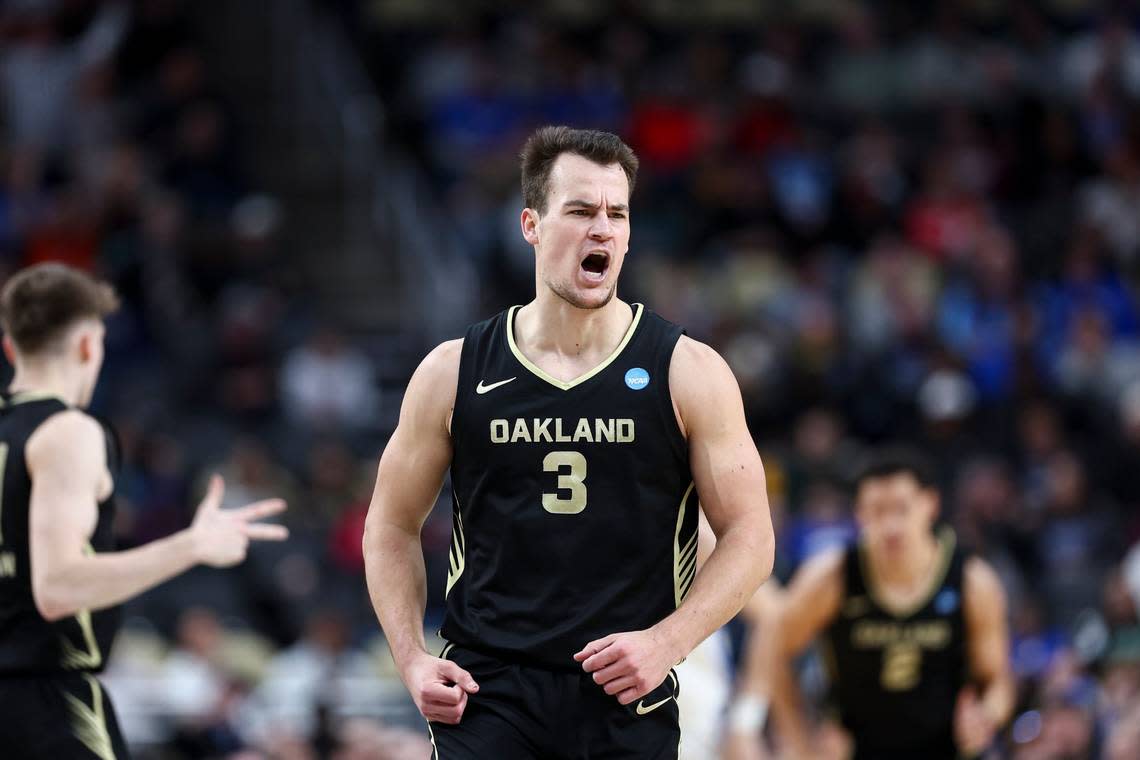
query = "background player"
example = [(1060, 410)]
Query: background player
[(914, 633), (718, 718), (574, 553), (747, 713), (60, 581)]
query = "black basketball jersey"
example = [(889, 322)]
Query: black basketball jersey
[(896, 677), (575, 514), (29, 644)]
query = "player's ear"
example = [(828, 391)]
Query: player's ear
[(9, 350), (529, 223), (934, 503), (85, 343)]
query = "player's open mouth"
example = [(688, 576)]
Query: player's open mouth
[(595, 266)]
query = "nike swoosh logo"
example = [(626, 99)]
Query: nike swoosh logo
[(643, 710), (481, 389)]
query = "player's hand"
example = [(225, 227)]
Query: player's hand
[(221, 537), (439, 688), (974, 729), (628, 665)]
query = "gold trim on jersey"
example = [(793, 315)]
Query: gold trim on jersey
[(946, 543), (3, 467), (23, 397), (684, 556), (89, 724), (536, 370), (73, 657), (457, 556), (434, 749)]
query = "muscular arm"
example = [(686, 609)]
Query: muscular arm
[(407, 483), (809, 604), (987, 636), (67, 463), (730, 482)]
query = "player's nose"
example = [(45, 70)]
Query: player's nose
[(601, 228)]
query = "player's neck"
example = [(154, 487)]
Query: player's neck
[(549, 325), (910, 569), (48, 378)]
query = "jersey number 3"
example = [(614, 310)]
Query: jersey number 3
[(571, 469)]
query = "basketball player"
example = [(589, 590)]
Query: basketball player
[(579, 430), (59, 581), (914, 633)]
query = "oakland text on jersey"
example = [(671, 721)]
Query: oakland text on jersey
[(876, 634), (559, 430)]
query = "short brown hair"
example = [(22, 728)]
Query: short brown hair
[(544, 147), (39, 303)]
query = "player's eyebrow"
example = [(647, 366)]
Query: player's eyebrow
[(578, 203)]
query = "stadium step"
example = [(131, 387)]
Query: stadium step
[(326, 218)]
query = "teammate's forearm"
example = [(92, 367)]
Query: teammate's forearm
[(397, 584), (96, 581), (741, 561), (787, 704), (999, 697)]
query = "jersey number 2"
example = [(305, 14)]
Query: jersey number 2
[(571, 469), (902, 666)]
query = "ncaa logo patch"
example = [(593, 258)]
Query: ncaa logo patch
[(946, 602), (636, 379)]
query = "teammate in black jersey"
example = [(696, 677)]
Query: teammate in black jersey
[(914, 633), (59, 579), (579, 430)]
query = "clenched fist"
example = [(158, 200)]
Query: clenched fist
[(439, 688), (628, 665)]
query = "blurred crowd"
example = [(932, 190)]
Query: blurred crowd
[(895, 220)]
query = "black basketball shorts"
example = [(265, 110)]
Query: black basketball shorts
[(529, 713), (58, 717)]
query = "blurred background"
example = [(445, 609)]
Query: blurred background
[(897, 221)]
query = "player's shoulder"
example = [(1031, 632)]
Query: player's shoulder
[(814, 596), (697, 368), (439, 370), (431, 389), (70, 430), (444, 358), (72, 421), (824, 567), (981, 581), (691, 353)]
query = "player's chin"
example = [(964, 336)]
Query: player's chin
[(592, 296)]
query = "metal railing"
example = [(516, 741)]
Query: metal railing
[(324, 92)]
